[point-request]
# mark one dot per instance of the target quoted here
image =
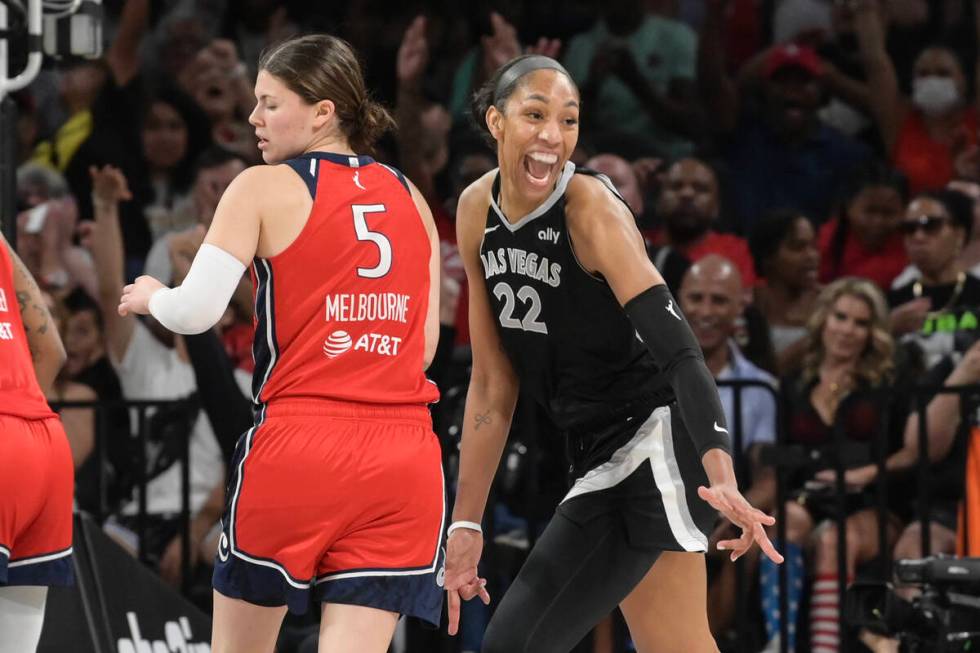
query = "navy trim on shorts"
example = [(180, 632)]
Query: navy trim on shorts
[(414, 591), (416, 595), (240, 575), (50, 569)]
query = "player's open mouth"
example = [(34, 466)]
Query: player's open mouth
[(538, 167)]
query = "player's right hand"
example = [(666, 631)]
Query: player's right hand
[(462, 582)]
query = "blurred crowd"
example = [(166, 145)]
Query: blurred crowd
[(806, 174)]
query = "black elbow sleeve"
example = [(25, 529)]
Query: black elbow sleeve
[(662, 328)]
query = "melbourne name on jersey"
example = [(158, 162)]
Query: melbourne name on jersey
[(373, 307)]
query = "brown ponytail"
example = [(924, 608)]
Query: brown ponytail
[(323, 67)]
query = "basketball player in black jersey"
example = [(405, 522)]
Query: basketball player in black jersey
[(565, 302)]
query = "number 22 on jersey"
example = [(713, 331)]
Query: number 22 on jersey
[(528, 296)]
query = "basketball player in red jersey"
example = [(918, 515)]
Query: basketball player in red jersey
[(336, 494), (36, 470)]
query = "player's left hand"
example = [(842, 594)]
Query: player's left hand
[(136, 296), (462, 581), (726, 499)]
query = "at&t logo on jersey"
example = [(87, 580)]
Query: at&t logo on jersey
[(338, 343), (377, 343)]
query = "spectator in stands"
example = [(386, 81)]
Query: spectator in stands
[(215, 168), (785, 252), (951, 423), (689, 206), (220, 84), (779, 152), (922, 134), (848, 109), (497, 45), (849, 354), (864, 239), (88, 366), (94, 97), (928, 299), (79, 423), (671, 263), (636, 69), (257, 24), (45, 231), (712, 298), (150, 370), (970, 256), (423, 125)]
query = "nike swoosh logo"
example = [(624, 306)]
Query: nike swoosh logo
[(719, 429), (489, 229)]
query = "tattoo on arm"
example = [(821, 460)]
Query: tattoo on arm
[(27, 305), (22, 299), (481, 419)]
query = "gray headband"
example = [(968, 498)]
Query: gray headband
[(523, 67)]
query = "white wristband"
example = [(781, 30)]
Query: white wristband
[(469, 525)]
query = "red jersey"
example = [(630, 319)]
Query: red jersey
[(730, 246), (929, 164), (20, 394), (340, 313), (881, 265)]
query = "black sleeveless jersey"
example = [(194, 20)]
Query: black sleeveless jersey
[(573, 347)]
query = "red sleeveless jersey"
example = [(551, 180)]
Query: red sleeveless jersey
[(340, 313), (20, 394)]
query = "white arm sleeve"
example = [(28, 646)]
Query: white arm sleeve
[(197, 304)]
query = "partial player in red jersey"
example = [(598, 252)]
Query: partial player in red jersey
[(336, 494), (36, 470)]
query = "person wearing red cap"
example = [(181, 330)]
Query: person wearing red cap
[(780, 154), (790, 55), (924, 133)]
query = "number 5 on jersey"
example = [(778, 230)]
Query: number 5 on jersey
[(364, 233)]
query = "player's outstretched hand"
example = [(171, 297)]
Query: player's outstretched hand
[(726, 499), (462, 582), (136, 296)]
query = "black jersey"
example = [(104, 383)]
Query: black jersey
[(569, 340)]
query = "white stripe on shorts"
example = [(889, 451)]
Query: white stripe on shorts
[(652, 442)]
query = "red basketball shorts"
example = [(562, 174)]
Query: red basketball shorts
[(37, 478), (336, 502)]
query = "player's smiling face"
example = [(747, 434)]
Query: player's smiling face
[(537, 132)]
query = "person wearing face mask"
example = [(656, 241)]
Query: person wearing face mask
[(924, 133)]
